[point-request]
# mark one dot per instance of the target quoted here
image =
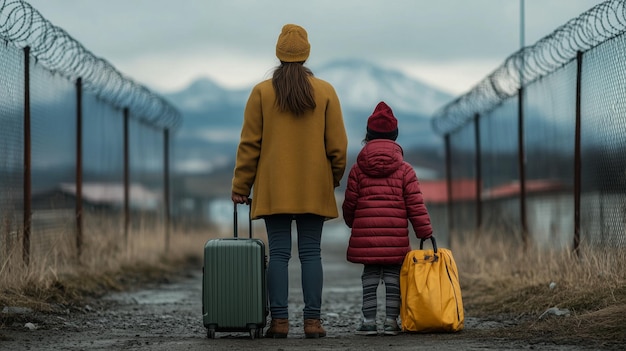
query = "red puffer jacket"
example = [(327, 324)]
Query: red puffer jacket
[(382, 195)]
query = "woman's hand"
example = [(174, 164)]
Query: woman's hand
[(240, 199)]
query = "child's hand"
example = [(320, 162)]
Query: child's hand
[(425, 236)]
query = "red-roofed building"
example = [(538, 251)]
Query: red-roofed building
[(513, 189), (464, 190), (436, 191)]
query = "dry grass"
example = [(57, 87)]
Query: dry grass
[(109, 261), (500, 279)]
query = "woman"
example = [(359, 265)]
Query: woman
[(292, 153)]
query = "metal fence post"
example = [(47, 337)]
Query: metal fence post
[(522, 166), (479, 178), (27, 161), (166, 186), (79, 166), (448, 152), (577, 154), (126, 177)]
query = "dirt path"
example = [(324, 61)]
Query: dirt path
[(168, 317)]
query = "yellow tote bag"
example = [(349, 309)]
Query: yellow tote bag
[(430, 291)]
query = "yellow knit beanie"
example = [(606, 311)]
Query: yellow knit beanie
[(293, 44)]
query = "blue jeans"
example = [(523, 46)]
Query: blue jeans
[(309, 229)]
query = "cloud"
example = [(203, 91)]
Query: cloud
[(215, 135), (455, 77), (164, 42), (228, 70), (200, 163), (195, 165)]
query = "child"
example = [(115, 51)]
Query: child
[(382, 195)]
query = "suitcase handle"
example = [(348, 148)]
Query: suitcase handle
[(432, 239), (249, 219)]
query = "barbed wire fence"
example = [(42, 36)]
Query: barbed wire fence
[(542, 139), (77, 136)]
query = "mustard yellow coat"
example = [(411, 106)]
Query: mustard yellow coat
[(291, 163)]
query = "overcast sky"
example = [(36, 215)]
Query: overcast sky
[(165, 44)]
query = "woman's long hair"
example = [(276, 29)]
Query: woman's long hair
[(294, 92)]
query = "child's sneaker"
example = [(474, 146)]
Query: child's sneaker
[(367, 329), (391, 328)]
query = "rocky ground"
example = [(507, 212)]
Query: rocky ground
[(167, 316)]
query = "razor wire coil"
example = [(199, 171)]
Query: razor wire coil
[(601, 23), (23, 26)]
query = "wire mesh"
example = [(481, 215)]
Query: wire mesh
[(549, 139), (103, 162), (146, 159), (53, 156), (103, 143), (463, 174), (549, 113), (11, 147), (603, 143), (500, 168)]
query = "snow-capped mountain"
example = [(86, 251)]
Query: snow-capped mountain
[(360, 85), (212, 115), (203, 94)]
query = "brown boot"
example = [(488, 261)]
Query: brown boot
[(279, 327), (313, 329)]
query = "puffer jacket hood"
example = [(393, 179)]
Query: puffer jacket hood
[(380, 158)]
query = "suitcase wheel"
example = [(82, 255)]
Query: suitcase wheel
[(210, 333), (256, 333)]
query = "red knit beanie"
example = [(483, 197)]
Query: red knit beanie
[(382, 124)]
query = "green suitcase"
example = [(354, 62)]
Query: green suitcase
[(234, 288)]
